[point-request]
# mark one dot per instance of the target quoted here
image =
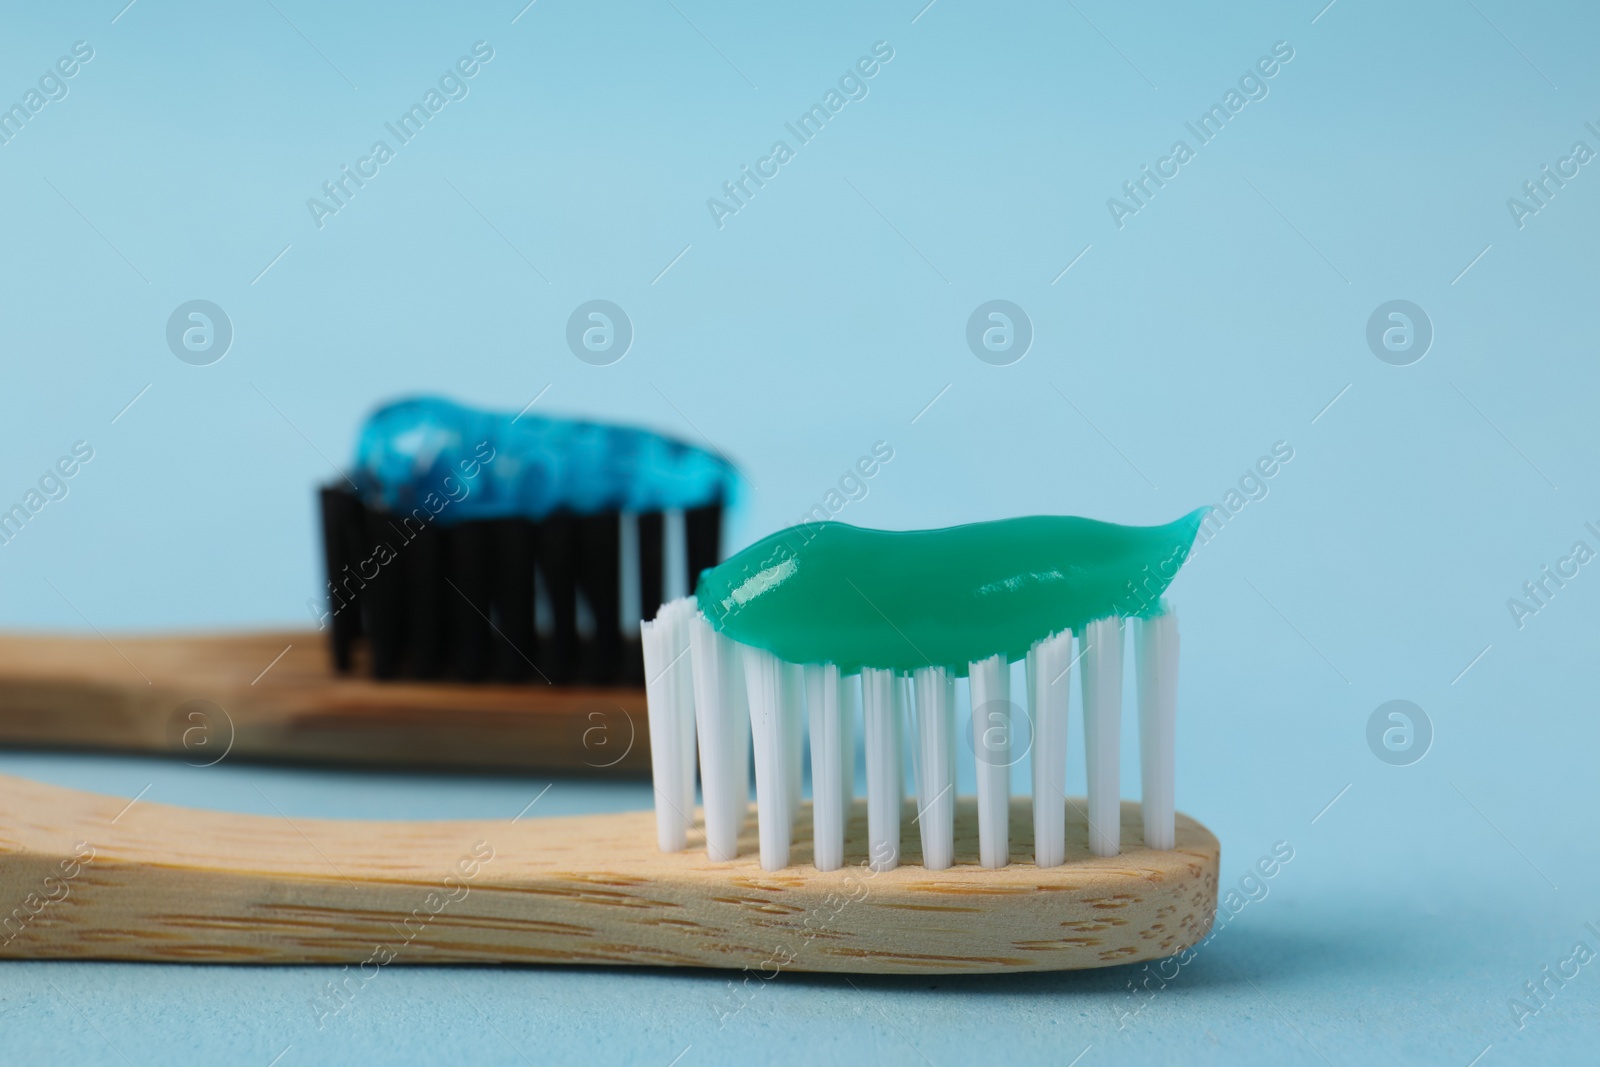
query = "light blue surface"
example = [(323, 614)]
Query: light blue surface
[(830, 313)]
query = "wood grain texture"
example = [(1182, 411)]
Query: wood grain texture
[(135, 693), (84, 876)]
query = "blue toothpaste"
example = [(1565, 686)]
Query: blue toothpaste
[(461, 463)]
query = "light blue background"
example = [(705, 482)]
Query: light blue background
[(1222, 318)]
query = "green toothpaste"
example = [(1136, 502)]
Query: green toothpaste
[(828, 592)]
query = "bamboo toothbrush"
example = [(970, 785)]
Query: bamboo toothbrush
[(777, 634), (487, 571)]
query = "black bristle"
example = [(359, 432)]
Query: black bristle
[(427, 597), (515, 646), (470, 560), (459, 602), (599, 560), (631, 659), (650, 573), (557, 553), (384, 596), (342, 523), (703, 531)]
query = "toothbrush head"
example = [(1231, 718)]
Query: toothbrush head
[(801, 629), (462, 543)]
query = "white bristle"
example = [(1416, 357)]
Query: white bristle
[(902, 715), (724, 730), (1155, 651), (884, 796), (669, 688), (705, 687), (990, 684), (935, 765), (849, 715), (828, 805), (1101, 641), (675, 576), (769, 726), (794, 718), (741, 778), (1049, 677)]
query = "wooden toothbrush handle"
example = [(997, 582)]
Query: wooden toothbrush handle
[(205, 698), (84, 876)]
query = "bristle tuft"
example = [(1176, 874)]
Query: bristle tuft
[(1155, 650), (1102, 725), (669, 679), (990, 682), (770, 713), (724, 731), (884, 795), (710, 693), (1049, 669), (935, 765), (830, 773)]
